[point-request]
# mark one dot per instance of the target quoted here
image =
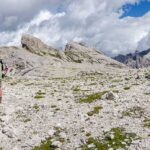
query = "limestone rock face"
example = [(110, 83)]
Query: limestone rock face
[(32, 44), (34, 56), (36, 46), (20, 59), (135, 60), (79, 53)]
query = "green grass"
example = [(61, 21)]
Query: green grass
[(127, 88), (39, 95), (53, 106), (95, 111), (147, 75), (92, 83), (93, 97), (27, 120), (77, 89), (147, 123), (45, 145), (147, 93), (115, 91), (36, 107), (88, 134), (120, 140)]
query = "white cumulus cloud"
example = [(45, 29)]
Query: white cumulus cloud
[(95, 22)]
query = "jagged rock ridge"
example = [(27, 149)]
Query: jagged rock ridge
[(135, 60)]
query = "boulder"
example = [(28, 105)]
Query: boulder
[(111, 96)]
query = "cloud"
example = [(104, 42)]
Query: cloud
[(144, 44), (95, 22), (24, 10)]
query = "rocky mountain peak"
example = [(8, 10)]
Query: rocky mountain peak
[(135, 60), (79, 47), (80, 53)]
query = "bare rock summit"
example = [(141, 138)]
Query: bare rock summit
[(80, 53)]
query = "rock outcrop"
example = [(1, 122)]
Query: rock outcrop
[(79, 53), (32, 44), (36, 46), (36, 54)]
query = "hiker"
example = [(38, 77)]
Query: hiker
[(1, 75), (3, 71)]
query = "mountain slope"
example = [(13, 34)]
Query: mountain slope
[(36, 57)]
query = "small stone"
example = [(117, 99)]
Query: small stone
[(83, 141), (111, 96), (8, 132), (57, 144), (91, 146), (63, 135), (51, 132), (112, 136)]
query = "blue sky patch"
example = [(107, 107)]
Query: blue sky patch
[(136, 10)]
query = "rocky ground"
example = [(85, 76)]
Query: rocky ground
[(89, 110), (78, 99)]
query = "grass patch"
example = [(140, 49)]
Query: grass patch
[(93, 97), (127, 88), (77, 89), (39, 95), (116, 138), (27, 120), (115, 91), (53, 106), (95, 111), (147, 123), (147, 75), (92, 84), (45, 145), (36, 107), (88, 134), (147, 93)]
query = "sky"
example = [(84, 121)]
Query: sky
[(112, 26), (137, 9)]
